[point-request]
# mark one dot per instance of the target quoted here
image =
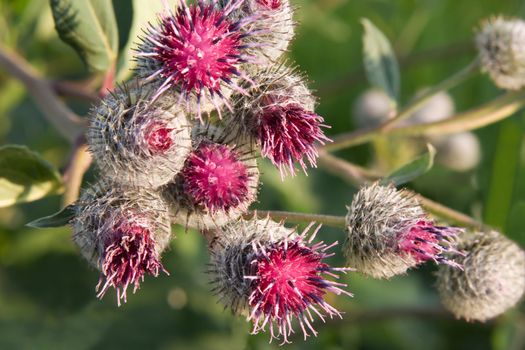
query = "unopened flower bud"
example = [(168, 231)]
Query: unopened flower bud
[(501, 46), (122, 232), (217, 184), (278, 113), (438, 107), (492, 279), (274, 275), (459, 152), (135, 142), (388, 233), (371, 108)]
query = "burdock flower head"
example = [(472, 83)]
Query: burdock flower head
[(492, 279), (196, 51), (218, 182), (273, 23), (388, 233), (501, 46), (274, 275), (128, 134), (122, 232), (278, 113)]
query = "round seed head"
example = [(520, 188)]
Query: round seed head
[(388, 233), (492, 279), (122, 232), (439, 107), (218, 183), (274, 280), (501, 46), (278, 113), (459, 152), (371, 108), (128, 134), (196, 51)]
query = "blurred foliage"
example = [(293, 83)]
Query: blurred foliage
[(47, 297)]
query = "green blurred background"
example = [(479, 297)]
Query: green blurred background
[(47, 293)]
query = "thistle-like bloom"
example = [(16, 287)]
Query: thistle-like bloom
[(274, 274), (196, 51), (491, 282), (388, 233), (216, 178), (501, 47), (129, 254), (217, 184), (277, 112), (128, 134), (121, 231)]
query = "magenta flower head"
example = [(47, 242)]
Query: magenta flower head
[(122, 232), (197, 51), (278, 113), (273, 23), (128, 134), (388, 233), (217, 184), (274, 275)]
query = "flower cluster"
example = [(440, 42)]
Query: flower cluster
[(179, 145)]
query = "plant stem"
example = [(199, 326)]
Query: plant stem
[(352, 173), (491, 112), (355, 78), (328, 220), (78, 164), (73, 89), (450, 215), (445, 85), (347, 171), (63, 119)]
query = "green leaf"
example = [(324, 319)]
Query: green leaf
[(25, 176), (412, 170), (61, 218), (143, 13), (382, 69), (90, 27), (503, 177)]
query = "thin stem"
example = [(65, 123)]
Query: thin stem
[(445, 85), (500, 108), (489, 113), (63, 119), (73, 89), (347, 171), (78, 164), (450, 215), (352, 79), (328, 220), (352, 173)]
